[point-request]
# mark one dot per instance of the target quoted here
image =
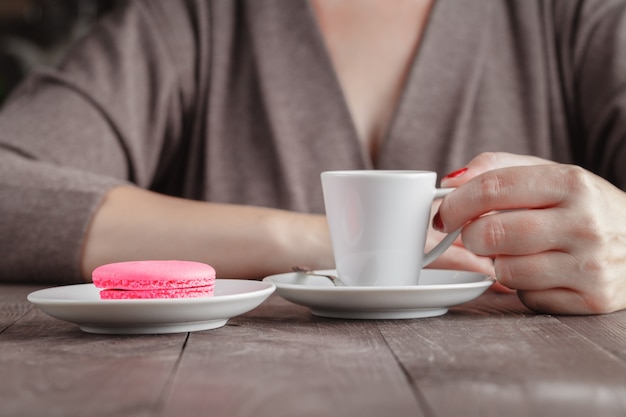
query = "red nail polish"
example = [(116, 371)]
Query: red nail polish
[(437, 223), (455, 174)]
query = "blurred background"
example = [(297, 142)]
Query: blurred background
[(38, 32)]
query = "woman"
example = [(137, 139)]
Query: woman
[(198, 129)]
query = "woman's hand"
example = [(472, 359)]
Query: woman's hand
[(557, 232)]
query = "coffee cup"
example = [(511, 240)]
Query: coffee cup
[(378, 222)]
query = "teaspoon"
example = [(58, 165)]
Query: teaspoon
[(309, 271)]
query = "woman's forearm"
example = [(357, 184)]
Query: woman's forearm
[(238, 241)]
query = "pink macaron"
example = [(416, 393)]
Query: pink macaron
[(153, 275)]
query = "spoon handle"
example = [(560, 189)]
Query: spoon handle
[(309, 271)]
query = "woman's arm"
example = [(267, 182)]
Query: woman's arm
[(239, 241), (113, 113)]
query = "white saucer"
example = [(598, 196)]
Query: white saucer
[(81, 304), (438, 291)]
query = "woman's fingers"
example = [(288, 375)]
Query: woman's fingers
[(459, 258), (555, 282), (489, 161), (521, 232), (556, 301), (541, 271), (540, 186)]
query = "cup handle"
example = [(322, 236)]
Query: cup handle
[(447, 240)]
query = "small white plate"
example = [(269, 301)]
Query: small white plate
[(438, 291), (81, 304)]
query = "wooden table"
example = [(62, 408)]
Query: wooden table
[(490, 357)]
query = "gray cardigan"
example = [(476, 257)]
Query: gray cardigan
[(237, 102)]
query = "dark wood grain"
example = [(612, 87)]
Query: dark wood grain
[(607, 331), (513, 363), (489, 357), (51, 368), (282, 361), (13, 304)]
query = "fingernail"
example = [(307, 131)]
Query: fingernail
[(437, 223), (455, 174)]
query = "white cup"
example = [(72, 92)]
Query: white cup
[(378, 223)]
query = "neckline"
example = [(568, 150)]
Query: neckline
[(389, 118), (339, 94), (437, 92), (304, 100)]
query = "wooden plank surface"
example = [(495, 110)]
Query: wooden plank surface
[(489, 357), (13, 304), (608, 331), (509, 363), (52, 368), (281, 361)]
